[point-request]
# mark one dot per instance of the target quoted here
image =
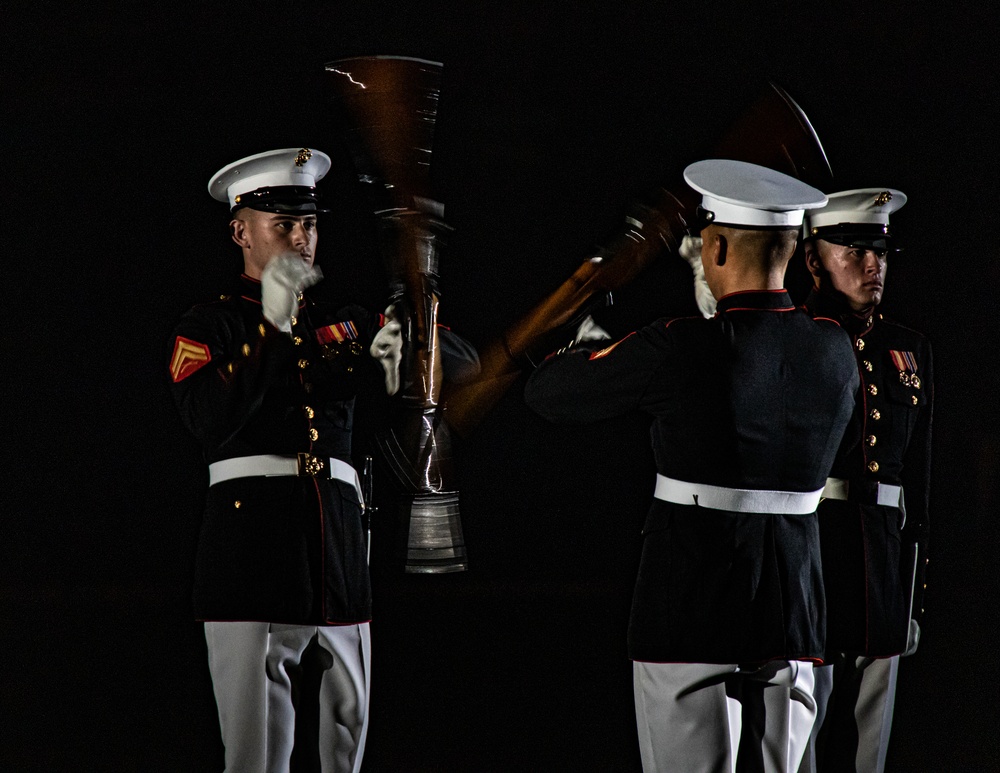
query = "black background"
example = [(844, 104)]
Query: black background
[(554, 116)]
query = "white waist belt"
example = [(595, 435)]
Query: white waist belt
[(274, 465), (737, 500), (888, 494)]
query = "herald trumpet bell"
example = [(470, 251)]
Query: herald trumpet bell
[(387, 112)]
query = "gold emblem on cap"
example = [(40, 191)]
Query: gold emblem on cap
[(883, 198), (304, 155)]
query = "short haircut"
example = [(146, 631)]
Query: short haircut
[(773, 247)]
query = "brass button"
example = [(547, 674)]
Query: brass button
[(872, 466), (860, 343), (237, 504), (261, 328), (915, 381), (303, 364), (309, 412), (246, 350), (313, 434), (871, 440), (872, 390), (867, 364), (915, 399), (295, 321), (870, 320), (229, 367), (875, 414), (297, 340)]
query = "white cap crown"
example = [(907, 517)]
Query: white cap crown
[(862, 206), (738, 193)]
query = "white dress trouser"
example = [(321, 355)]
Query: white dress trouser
[(254, 668), (872, 711), (699, 717)]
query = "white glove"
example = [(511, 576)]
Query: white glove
[(690, 250), (590, 331), (281, 282), (912, 638), (387, 348)]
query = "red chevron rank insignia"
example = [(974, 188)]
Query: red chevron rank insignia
[(188, 356)]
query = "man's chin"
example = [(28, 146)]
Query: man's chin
[(873, 299)]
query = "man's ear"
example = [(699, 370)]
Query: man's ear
[(238, 230), (813, 263), (718, 249)]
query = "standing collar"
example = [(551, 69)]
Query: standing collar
[(823, 305), (249, 288), (761, 300)]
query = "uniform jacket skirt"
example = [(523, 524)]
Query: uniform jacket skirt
[(868, 573), (282, 550), (723, 587)]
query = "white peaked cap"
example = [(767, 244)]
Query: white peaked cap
[(273, 169), (742, 194), (863, 206)]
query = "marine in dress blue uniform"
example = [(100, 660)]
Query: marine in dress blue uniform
[(874, 515), (266, 379), (748, 408)]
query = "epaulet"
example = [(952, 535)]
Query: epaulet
[(218, 300), (899, 326), (672, 320)]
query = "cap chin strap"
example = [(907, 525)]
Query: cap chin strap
[(293, 199), (849, 233)]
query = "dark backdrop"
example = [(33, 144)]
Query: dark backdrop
[(553, 117)]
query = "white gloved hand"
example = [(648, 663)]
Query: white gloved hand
[(912, 638), (690, 250), (387, 348), (590, 331), (281, 282)]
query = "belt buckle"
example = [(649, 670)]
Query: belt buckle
[(309, 464)]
